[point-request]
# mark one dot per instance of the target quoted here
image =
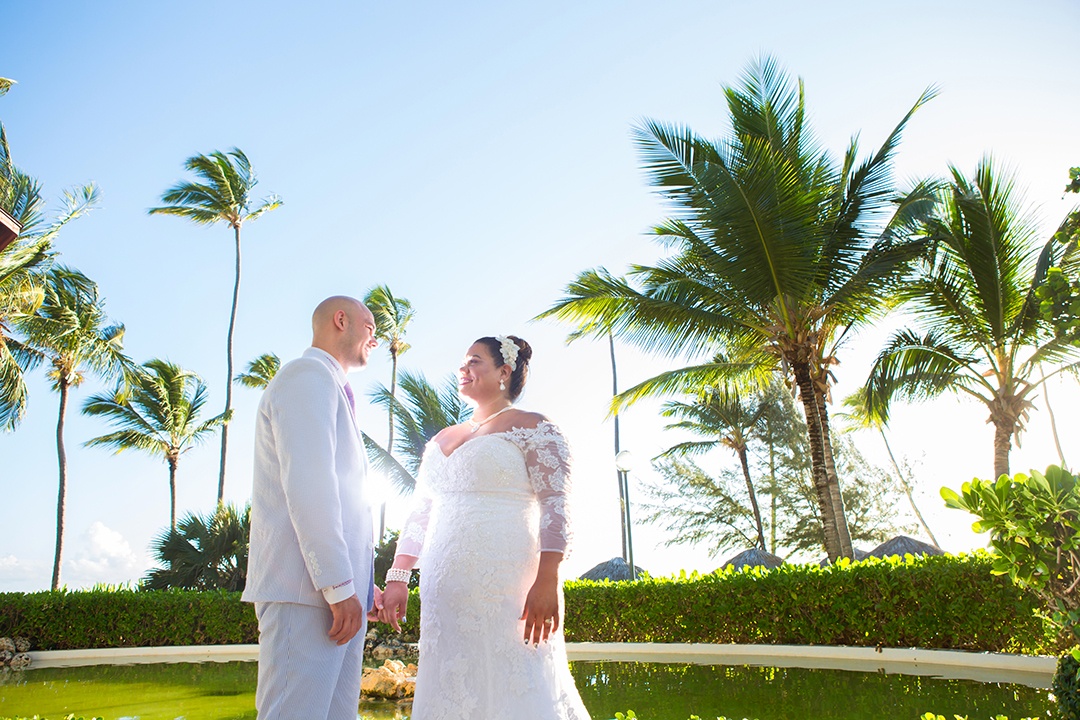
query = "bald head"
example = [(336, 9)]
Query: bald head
[(345, 328)]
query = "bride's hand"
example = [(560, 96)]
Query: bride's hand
[(541, 614), (395, 600)]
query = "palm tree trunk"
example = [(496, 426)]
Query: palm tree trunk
[(907, 490), (229, 371), (1053, 420), (819, 474), (753, 496), (618, 473), (1003, 432), (835, 496), (61, 499), (172, 493), (389, 434), (772, 495)]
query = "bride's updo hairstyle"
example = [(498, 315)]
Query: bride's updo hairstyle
[(521, 367)]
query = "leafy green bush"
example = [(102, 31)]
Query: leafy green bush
[(932, 602), (1034, 525), (1066, 687), (66, 620)]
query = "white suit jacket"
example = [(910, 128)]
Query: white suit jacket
[(311, 526)]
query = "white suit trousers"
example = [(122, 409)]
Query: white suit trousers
[(303, 674)]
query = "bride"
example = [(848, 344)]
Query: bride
[(491, 527)]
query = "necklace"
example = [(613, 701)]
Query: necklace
[(477, 425)]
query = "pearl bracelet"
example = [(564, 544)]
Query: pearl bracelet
[(398, 575)]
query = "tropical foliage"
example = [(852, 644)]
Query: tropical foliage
[(978, 328), (1034, 526), (221, 194), (69, 330), (156, 410), (23, 264), (729, 419), (205, 553), (392, 317), (700, 504), (778, 254), (260, 372), (424, 411), (858, 417)]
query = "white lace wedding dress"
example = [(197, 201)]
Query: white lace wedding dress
[(483, 516)]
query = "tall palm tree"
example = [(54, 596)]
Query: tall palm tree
[(260, 372), (156, 410), (419, 417), (23, 263), (859, 416), (778, 255), (70, 330), (392, 317), (223, 195), (978, 327), (206, 553), (729, 418)]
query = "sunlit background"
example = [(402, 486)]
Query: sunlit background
[(474, 157)]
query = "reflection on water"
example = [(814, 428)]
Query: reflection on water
[(226, 691), (675, 691)]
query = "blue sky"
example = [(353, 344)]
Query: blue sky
[(474, 157)]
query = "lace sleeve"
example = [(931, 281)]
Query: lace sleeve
[(547, 457), (411, 540)]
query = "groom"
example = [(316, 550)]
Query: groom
[(310, 564)]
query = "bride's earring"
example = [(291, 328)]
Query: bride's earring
[(502, 385)]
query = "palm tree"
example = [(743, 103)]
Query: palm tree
[(978, 326), (860, 417), (206, 553), (732, 420), (392, 317), (425, 411), (69, 329), (779, 254), (260, 372), (155, 410), (224, 195), (23, 263)]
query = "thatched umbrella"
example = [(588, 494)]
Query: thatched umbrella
[(903, 545), (754, 556), (613, 569)]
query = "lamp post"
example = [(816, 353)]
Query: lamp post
[(624, 461), (619, 479)]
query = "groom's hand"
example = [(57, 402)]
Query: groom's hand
[(348, 619)]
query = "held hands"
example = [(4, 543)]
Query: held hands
[(395, 600)]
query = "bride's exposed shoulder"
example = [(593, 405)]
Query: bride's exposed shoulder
[(527, 420)]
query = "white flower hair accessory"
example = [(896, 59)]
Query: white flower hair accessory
[(509, 350)]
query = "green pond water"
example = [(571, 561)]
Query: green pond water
[(226, 691)]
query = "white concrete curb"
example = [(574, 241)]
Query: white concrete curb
[(1035, 671)]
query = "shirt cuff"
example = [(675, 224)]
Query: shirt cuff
[(336, 593)]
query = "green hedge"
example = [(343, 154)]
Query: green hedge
[(937, 602), (933, 602)]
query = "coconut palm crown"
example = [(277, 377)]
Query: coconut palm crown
[(23, 266), (223, 195), (977, 326), (155, 410), (776, 254)]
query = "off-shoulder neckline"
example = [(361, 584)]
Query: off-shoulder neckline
[(508, 431)]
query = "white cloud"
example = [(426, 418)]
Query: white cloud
[(20, 575), (102, 555)]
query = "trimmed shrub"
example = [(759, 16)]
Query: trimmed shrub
[(933, 602)]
